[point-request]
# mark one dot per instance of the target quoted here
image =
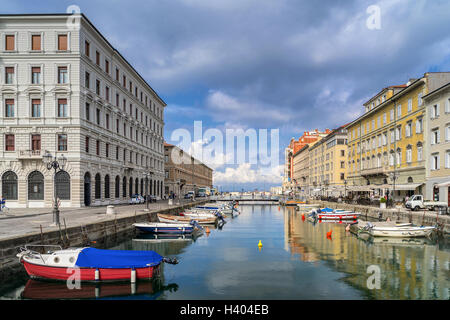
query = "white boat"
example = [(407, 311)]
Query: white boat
[(391, 229), (169, 218)]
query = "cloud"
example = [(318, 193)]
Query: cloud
[(244, 173)]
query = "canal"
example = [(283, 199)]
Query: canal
[(296, 261)]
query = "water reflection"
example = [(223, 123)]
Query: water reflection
[(47, 290), (410, 268)]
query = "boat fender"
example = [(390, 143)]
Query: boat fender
[(133, 276), (97, 275)]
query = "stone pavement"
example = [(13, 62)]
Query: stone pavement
[(23, 221)]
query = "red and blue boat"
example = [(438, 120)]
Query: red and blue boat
[(334, 214), (91, 264)]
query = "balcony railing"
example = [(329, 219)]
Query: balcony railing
[(375, 171), (30, 154)]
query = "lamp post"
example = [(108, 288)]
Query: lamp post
[(55, 164)]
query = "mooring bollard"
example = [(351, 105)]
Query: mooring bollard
[(110, 210)]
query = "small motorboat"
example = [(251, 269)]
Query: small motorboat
[(162, 227), (170, 218), (391, 229), (334, 214), (90, 264)]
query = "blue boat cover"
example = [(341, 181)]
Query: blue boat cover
[(116, 259), (326, 210)]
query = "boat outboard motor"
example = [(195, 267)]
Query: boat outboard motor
[(195, 223), (218, 215), (170, 260)]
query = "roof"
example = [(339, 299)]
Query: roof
[(445, 86), (101, 35)]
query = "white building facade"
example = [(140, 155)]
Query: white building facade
[(437, 145), (67, 91)]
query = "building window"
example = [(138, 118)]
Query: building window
[(35, 142), (36, 42), (419, 125), (435, 136), (62, 75), (86, 48), (107, 66), (97, 87), (107, 186), (419, 152), (107, 121), (124, 187), (62, 42), (392, 115), (62, 142), (9, 75), (87, 80), (107, 150), (409, 105), (36, 186), (9, 186), (35, 108), (62, 183), (447, 159), (98, 116), (9, 142), (97, 147), (62, 108), (408, 129), (117, 187), (117, 74), (419, 99), (35, 75), (107, 93), (434, 112), (9, 42), (88, 112), (97, 58), (399, 111), (98, 187), (435, 161), (86, 145), (408, 154), (398, 133)]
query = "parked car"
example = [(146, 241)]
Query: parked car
[(136, 199), (189, 195), (151, 198), (201, 194)]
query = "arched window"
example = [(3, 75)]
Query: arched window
[(151, 187), (142, 186), (117, 187), (410, 180), (9, 186), (124, 187), (136, 185), (107, 186), (36, 186), (98, 187), (62, 183), (131, 187)]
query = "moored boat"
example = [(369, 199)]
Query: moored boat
[(161, 227), (91, 264), (392, 229), (169, 218), (332, 214)]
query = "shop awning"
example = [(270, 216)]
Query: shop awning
[(409, 186), (443, 184)]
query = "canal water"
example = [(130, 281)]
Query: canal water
[(297, 260)]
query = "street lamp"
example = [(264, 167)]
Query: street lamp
[(55, 164)]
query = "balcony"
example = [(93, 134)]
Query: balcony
[(380, 171), (30, 155)]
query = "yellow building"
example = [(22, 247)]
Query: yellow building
[(386, 143), (327, 164)]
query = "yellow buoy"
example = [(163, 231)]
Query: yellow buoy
[(259, 244)]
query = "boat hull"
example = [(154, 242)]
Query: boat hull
[(401, 233), (36, 271), (338, 216), (172, 230)]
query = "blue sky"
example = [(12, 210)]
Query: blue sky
[(289, 65)]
